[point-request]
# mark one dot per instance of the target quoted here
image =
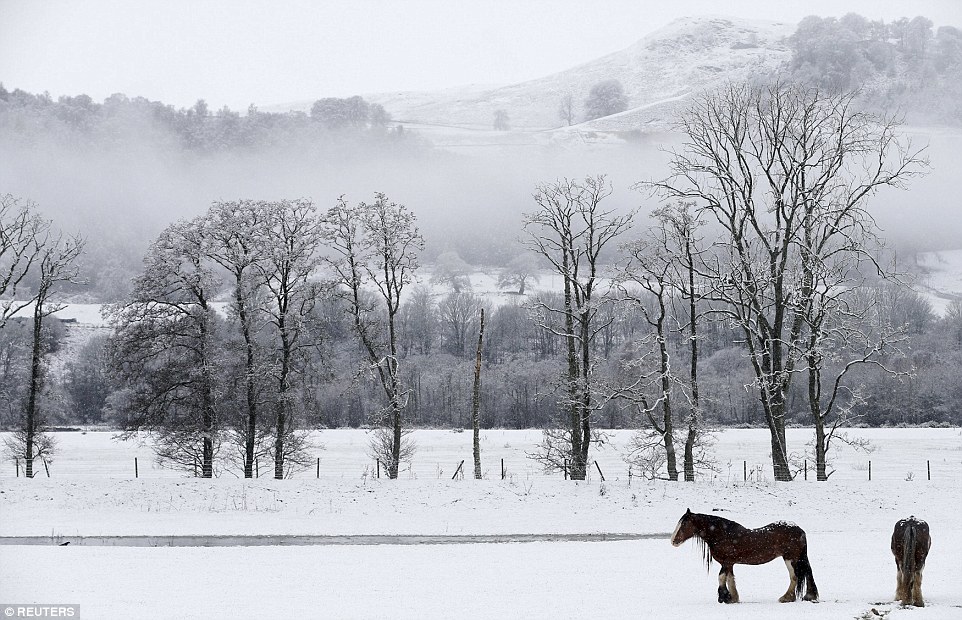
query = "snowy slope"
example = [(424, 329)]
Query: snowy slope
[(657, 73), (687, 55), (941, 280)]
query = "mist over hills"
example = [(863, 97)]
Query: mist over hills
[(119, 171)]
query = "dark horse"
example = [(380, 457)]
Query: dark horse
[(729, 543), (910, 546)]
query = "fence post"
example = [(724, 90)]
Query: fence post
[(745, 470), (806, 469), (928, 469), (629, 475), (18, 467), (257, 468), (870, 470), (458, 470), (378, 468), (318, 468), (566, 469), (136, 470), (599, 471), (45, 467), (195, 467), (502, 469)]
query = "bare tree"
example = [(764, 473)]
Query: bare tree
[(682, 239), (234, 231), (57, 265), (520, 270), (452, 270), (649, 268), (458, 313), (571, 229), (760, 161), (846, 329), (663, 266), (293, 236), (165, 350), (23, 237), (376, 245), (566, 109)]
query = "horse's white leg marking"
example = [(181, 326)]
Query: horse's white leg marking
[(789, 596), (731, 586), (917, 590), (901, 587)]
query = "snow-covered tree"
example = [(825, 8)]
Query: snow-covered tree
[(604, 99), (376, 246)]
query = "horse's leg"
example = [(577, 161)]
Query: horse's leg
[(730, 582), (789, 595), (917, 589), (724, 596), (902, 588)]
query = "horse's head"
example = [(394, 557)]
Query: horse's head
[(684, 530)]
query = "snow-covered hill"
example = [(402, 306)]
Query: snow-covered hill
[(658, 73)]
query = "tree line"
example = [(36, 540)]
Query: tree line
[(332, 123), (904, 63), (760, 292)]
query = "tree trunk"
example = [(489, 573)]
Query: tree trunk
[(577, 466), (780, 468), (251, 388), (30, 417), (772, 396), (818, 418), (668, 415), (207, 462), (395, 464), (282, 402), (476, 402), (690, 454), (694, 416)]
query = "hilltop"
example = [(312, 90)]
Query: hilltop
[(657, 72)]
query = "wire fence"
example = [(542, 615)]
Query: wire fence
[(740, 456)]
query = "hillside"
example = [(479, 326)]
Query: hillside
[(657, 72)]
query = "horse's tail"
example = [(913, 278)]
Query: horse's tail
[(909, 540), (804, 579)]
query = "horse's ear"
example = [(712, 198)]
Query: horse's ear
[(688, 512)]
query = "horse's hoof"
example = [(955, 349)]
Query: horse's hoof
[(787, 599), (810, 599)]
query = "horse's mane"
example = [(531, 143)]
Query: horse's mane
[(704, 547), (704, 550), (705, 522)]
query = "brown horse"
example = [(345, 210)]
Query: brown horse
[(729, 543), (910, 546)]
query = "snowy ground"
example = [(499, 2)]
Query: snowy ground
[(941, 282), (848, 522)]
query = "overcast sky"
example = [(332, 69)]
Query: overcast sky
[(269, 52)]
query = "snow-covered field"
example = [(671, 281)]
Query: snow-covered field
[(941, 282), (92, 491)]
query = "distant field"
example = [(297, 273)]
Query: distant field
[(895, 453)]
